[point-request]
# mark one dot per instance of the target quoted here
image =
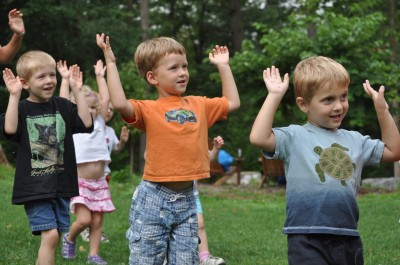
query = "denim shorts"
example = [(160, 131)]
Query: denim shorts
[(48, 214), (163, 223)]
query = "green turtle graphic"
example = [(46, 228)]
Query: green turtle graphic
[(334, 162)]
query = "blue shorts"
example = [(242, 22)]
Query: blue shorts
[(163, 223), (48, 214), (198, 204)]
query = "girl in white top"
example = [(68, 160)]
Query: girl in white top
[(92, 157)]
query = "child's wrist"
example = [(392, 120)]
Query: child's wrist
[(19, 34)]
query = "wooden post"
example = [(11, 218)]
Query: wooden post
[(238, 169), (3, 158)]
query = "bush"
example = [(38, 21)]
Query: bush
[(124, 175)]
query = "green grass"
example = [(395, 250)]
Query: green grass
[(243, 226)]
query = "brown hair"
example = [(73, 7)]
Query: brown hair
[(149, 53), (315, 72)]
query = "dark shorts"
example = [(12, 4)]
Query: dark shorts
[(48, 214), (323, 249)]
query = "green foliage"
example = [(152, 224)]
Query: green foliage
[(358, 34), (347, 38), (124, 175)]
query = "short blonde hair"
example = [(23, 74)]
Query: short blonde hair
[(31, 61), (315, 72), (87, 92), (149, 53)]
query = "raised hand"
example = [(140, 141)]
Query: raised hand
[(124, 136), (104, 43), (99, 68), (16, 22), (378, 97), (13, 84), (218, 142), (63, 69), (219, 55), (274, 82), (75, 78)]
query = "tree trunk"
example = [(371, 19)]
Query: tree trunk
[(3, 158), (144, 16), (236, 24), (393, 44)]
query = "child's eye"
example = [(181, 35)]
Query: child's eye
[(327, 100)]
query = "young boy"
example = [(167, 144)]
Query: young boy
[(42, 125), (323, 163), (163, 219)]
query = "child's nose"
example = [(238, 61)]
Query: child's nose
[(338, 105)]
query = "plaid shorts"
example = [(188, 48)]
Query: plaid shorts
[(163, 223)]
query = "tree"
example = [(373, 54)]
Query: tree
[(362, 35), (347, 39)]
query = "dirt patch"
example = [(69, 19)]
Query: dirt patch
[(238, 192), (253, 191)]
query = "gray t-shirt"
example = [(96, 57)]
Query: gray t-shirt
[(323, 172)]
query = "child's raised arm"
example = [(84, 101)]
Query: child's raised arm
[(99, 70), (63, 70), (220, 57), (16, 23), (218, 143), (117, 95), (76, 82), (389, 131), (261, 134), (14, 87), (123, 138)]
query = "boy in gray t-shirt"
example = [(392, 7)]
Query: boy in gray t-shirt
[(323, 163)]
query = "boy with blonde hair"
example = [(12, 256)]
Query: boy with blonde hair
[(163, 218), (42, 125), (323, 163)]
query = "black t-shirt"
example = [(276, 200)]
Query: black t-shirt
[(46, 164)]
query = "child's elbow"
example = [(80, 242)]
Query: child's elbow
[(261, 141), (396, 155), (234, 106), (254, 140)]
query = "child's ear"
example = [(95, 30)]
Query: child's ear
[(303, 105), (151, 78), (24, 83)]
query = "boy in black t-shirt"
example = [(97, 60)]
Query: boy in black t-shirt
[(42, 125)]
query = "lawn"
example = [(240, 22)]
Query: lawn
[(243, 225)]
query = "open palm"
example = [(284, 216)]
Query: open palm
[(13, 83), (274, 82)]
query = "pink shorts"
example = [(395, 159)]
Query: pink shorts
[(94, 194)]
